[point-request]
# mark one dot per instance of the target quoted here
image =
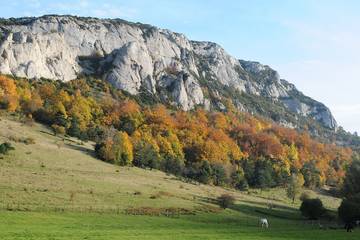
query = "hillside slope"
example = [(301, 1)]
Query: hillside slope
[(142, 59), (55, 189), (55, 174)]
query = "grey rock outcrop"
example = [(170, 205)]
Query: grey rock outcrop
[(136, 57)]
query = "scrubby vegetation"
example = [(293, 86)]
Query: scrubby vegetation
[(225, 200), (228, 148), (5, 148)]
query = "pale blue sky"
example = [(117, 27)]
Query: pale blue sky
[(314, 44)]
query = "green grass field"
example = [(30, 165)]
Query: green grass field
[(56, 189)]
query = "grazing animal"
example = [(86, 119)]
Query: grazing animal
[(357, 222), (264, 222)]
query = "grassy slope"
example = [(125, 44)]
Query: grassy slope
[(56, 189)]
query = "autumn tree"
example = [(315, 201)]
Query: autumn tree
[(229, 148), (116, 148), (130, 117), (9, 98), (33, 103), (123, 149)]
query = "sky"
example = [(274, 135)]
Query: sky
[(314, 44)]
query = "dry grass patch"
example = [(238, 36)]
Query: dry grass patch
[(167, 212)]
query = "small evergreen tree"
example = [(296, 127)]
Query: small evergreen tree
[(219, 175), (238, 180), (205, 173)]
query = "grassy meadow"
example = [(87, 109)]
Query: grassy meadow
[(54, 188)]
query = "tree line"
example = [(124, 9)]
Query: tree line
[(229, 148)]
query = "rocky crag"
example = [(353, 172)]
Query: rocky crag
[(140, 58)]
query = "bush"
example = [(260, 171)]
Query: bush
[(26, 141), (5, 148), (225, 200), (29, 141), (57, 129), (312, 209)]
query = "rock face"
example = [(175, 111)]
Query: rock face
[(137, 57)]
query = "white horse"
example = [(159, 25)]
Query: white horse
[(263, 222)]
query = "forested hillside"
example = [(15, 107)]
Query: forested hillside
[(229, 148)]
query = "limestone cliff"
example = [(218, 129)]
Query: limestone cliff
[(136, 57)]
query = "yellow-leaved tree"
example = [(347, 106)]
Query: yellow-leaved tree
[(9, 98)]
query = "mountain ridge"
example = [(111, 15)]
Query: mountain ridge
[(139, 58)]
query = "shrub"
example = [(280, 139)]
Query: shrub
[(57, 129), (29, 141), (5, 148), (312, 209), (26, 141), (225, 200)]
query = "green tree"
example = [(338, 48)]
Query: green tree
[(74, 129), (238, 180), (313, 209), (146, 155), (219, 175), (311, 174), (349, 210), (173, 164), (263, 174), (351, 184), (205, 173), (294, 186)]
